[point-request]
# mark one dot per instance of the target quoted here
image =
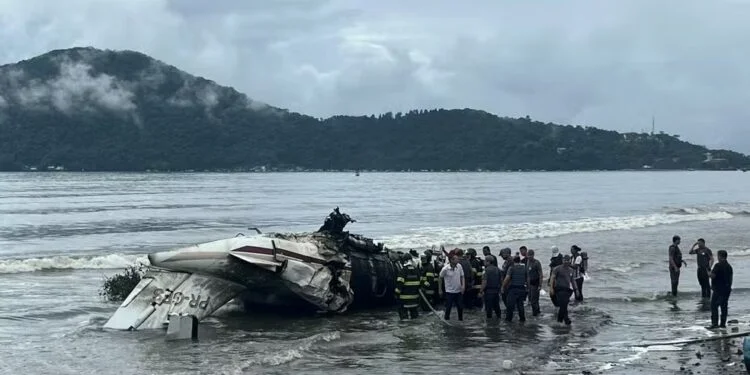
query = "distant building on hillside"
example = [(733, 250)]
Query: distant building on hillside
[(715, 163)]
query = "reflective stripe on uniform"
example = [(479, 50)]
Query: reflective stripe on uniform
[(412, 283), (399, 279), (429, 274), (410, 306), (408, 296)]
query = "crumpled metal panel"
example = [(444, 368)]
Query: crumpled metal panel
[(161, 293), (312, 282)]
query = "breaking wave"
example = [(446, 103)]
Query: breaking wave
[(500, 233), (426, 237), (111, 261), (734, 209)]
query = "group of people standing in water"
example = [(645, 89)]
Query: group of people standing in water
[(466, 281), (712, 276)]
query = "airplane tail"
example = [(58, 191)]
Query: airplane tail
[(162, 293)]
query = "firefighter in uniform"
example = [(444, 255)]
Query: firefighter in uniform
[(478, 270), (407, 289), (437, 265), (429, 282)]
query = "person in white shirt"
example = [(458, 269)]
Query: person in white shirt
[(452, 276)]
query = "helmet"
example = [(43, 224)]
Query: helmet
[(471, 252)]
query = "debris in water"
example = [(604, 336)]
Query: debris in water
[(117, 287), (507, 364)]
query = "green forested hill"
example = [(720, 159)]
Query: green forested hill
[(95, 110)]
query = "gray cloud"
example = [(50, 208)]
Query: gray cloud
[(606, 64), (72, 89)]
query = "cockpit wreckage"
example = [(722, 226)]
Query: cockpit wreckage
[(327, 271)]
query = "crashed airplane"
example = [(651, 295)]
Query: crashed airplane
[(327, 271)]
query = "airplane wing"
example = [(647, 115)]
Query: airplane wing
[(161, 293)]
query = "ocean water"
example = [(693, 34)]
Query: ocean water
[(62, 233)]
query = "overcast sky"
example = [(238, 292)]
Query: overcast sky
[(609, 64)]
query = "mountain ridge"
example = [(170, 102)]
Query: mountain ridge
[(89, 109)]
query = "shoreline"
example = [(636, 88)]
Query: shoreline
[(447, 171)]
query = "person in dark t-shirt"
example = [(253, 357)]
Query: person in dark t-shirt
[(721, 282), (562, 288), (705, 260), (491, 284), (536, 276), (675, 262)]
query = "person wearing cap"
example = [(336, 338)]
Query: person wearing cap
[(562, 288), (554, 261)]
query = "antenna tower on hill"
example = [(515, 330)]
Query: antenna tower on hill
[(653, 125)]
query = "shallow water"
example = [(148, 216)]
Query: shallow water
[(61, 233)]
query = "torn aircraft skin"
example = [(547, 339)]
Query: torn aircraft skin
[(325, 271)]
